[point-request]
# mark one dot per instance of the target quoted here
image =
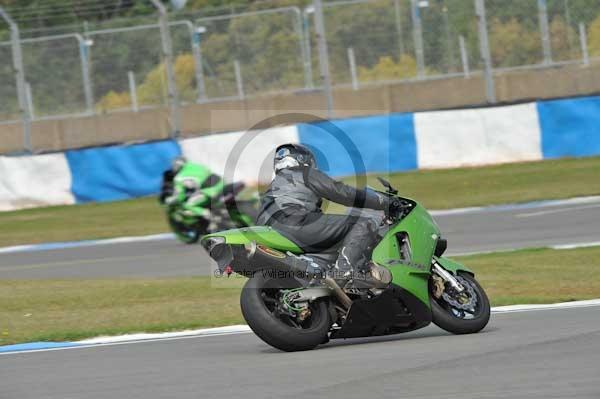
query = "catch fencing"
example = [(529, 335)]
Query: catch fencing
[(256, 50)]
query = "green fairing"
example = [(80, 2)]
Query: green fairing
[(453, 266), (261, 235), (198, 173), (423, 233)]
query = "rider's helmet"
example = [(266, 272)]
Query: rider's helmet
[(293, 156), (178, 163)]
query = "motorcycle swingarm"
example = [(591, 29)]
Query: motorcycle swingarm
[(312, 293)]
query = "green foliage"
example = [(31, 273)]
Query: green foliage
[(562, 40), (512, 44), (594, 37), (387, 69), (153, 90)]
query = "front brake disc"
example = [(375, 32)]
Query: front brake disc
[(472, 296)]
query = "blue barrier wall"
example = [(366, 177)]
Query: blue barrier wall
[(372, 144), (570, 127), (120, 172)]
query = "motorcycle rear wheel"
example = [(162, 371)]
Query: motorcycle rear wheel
[(458, 321), (259, 305)]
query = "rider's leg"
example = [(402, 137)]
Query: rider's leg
[(360, 237), (317, 232)]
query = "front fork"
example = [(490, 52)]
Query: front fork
[(446, 276)]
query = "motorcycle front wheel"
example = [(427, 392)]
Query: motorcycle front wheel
[(459, 314), (186, 234), (263, 311)]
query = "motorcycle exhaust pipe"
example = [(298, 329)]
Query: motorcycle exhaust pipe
[(261, 256), (339, 292)]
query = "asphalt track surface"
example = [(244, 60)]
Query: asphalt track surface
[(476, 231), (540, 354)]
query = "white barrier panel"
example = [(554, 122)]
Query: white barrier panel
[(240, 156), (34, 181), (478, 136)]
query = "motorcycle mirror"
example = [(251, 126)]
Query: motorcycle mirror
[(387, 185)]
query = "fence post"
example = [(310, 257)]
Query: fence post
[(464, 56), (352, 63), (299, 31), (398, 20), (545, 31), (238, 79), (197, 53), (323, 56), (29, 97), (418, 37), (584, 44), (133, 91), (484, 47), (20, 79), (307, 48), (84, 46), (167, 48)]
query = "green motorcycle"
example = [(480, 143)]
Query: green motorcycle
[(226, 212), (292, 303)]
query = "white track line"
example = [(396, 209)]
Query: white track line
[(243, 329), (186, 333), (579, 245), (551, 306), (559, 210), (506, 250), (517, 206), (86, 243)]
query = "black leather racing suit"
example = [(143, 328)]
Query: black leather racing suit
[(292, 206)]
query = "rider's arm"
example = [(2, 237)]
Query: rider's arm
[(344, 194), (166, 188), (178, 194)]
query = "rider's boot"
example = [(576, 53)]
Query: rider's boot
[(377, 276), (370, 275)]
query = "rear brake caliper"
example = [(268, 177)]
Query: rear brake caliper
[(296, 301), (291, 305)]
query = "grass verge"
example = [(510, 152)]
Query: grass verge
[(499, 184), (52, 310)]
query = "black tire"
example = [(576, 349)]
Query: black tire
[(185, 234), (272, 329), (444, 317)]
